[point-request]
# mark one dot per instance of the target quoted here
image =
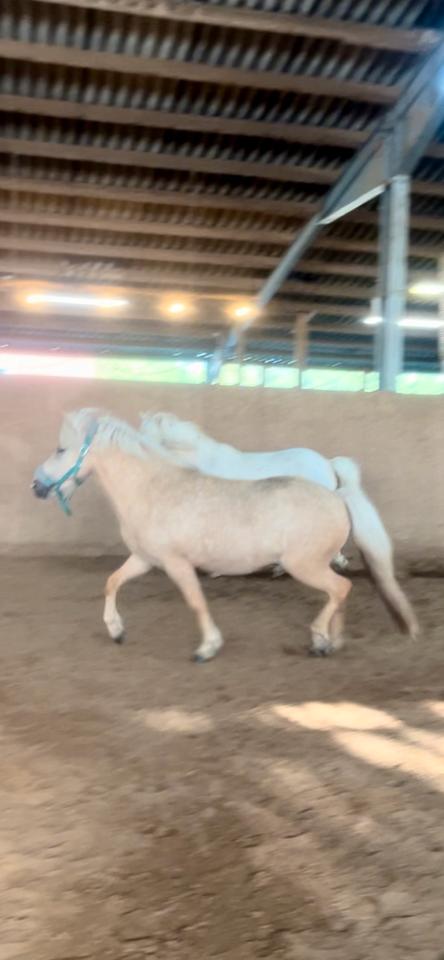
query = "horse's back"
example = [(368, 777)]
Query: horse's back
[(294, 462)]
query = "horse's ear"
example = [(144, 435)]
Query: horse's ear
[(68, 421), (81, 422), (68, 431)]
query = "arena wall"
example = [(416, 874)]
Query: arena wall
[(398, 440)]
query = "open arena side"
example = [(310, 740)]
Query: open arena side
[(264, 805)]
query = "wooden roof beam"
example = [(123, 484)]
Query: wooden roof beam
[(100, 252), (379, 37), (103, 251), (191, 122), (160, 228), (177, 198), (51, 54), (315, 135), (169, 161), (171, 198), (324, 176)]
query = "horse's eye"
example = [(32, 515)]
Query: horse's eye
[(60, 450)]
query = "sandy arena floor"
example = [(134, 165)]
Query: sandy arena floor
[(262, 805)]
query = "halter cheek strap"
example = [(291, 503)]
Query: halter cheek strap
[(71, 474)]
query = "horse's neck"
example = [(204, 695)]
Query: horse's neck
[(122, 474)]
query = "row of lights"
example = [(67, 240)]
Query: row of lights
[(409, 323), (178, 308), (72, 300), (246, 310), (424, 290), (174, 307)]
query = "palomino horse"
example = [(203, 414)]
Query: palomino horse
[(188, 446), (181, 520)]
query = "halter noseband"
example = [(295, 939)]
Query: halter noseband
[(71, 474)]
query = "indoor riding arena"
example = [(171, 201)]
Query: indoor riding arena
[(232, 212)]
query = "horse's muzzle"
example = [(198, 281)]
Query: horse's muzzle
[(41, 490)]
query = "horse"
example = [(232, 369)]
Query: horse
[(187, 445), (181, 520)]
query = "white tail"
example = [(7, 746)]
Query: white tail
[(374, 543)]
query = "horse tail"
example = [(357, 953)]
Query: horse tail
[(374, 544)]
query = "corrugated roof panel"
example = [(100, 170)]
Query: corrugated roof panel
[(250, 150), (163, 181), (116, 33), (202, 99), (393, 13)]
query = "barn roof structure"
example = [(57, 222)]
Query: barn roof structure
[(149, 147)]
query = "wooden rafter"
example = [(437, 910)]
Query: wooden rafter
[(286, 173), (173, 198), (291, 209), (173, 120), (14, 214), (69, 271), (325, 28), (43, 53), (316, 135), (154, 254)]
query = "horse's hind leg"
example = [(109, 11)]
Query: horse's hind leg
[(133, 567), (326, 629), (184, 576)]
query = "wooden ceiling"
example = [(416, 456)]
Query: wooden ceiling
[(181, 145)]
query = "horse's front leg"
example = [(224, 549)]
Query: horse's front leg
[(184, 576), (133, 567), (340, 563)]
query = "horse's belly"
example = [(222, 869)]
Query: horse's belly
[(234, 561)]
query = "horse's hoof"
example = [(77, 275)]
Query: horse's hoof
[(120, 639), (321, 647), (199, 658)]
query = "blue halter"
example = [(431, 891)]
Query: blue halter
[(71, 474)]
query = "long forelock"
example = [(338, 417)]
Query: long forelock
[(111, 432)]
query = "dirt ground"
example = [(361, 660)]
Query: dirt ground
[(263, 805)]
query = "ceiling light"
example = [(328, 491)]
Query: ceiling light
[(246, 310), (409, 323), (372, 320), (421, 323), (73, 300), (427, 288), (176, 307)]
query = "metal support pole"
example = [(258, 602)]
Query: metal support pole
[(394, 237), (214, 362), (441, 317), (376, 311), (300, 343), (239, 349)]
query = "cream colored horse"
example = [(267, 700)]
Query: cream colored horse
[(185, 444), (181, 520)]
